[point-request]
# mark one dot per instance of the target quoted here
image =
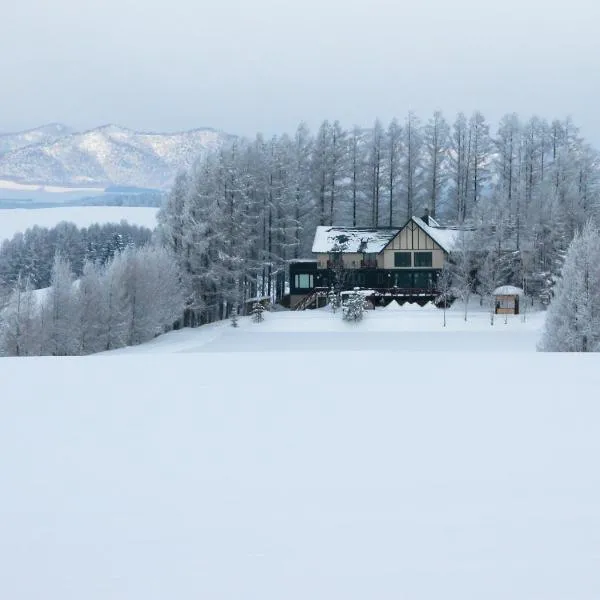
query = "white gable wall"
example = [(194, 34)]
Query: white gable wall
[(413, 239)]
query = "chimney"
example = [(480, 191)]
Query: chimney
[(425, 217)]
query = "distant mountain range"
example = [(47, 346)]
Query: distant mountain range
[(56, 155)]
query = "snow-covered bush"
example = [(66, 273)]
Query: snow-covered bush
[(573, 319), (353, 308)]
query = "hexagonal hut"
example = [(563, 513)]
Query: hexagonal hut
[(507, 299)]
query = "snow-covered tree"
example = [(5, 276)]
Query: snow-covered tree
[(60, 326), (412, 167), (333, 299), (435, 141), (19, 335), (353, 307), (573, 319), (444, 288), (463, 269), (459, 159), (489, 279), (93, 309), (115, 327), (258, 312), (393, 156), (375, 166)]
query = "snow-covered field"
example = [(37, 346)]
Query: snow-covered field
[(305, 458), (6, 184), (19, 219)]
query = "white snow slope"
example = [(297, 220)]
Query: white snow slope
[(210, 464), (16, 220)]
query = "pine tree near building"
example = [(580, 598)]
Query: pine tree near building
[(353, 308)]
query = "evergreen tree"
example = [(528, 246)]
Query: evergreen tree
[(573, 320), (258, 312), (353, 307), (334, 300)]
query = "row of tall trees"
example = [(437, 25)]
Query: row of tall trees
[(248, 207), (29, 256), (130, 299)]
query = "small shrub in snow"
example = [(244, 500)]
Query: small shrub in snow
[(258, 312), (234, 318), (353, 308)]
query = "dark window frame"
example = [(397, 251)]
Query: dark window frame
[(419, 256), (397, 255)]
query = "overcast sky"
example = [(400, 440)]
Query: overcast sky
[(264, 65)]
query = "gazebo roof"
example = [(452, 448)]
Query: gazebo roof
[(508, 290)]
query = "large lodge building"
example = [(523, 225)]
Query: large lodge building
[(391, 263)]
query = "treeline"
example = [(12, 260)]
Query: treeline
[(131, 298), (29, 256), (250, 206)]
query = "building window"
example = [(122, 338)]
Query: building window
[(404, 280), (423, 280), (369, 260), (303, 281), (402, 259), (423, 259)]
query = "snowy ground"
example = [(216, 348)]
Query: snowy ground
[(6, 184), (214, 464), (406, 328), (15, 220)]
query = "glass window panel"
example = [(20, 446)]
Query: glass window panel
[(402, 259), (423, 259), (423, 280), (404, 279), (303, 281)]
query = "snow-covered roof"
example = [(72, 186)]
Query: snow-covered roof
[(371, 240), (508, 290), (350, 239), (443, 237)]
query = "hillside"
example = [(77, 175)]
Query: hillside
[(235, 470), (108, 155), (46, 134)]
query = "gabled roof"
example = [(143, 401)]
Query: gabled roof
[(352, 239), (445, 238), (374, 240)]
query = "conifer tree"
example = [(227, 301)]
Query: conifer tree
[(573, 320), (353, 307)]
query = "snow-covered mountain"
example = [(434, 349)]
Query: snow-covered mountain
[(108, 155), (46, 134)]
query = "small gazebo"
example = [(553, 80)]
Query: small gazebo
[(507, 299)]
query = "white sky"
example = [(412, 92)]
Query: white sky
[(245, 66)]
